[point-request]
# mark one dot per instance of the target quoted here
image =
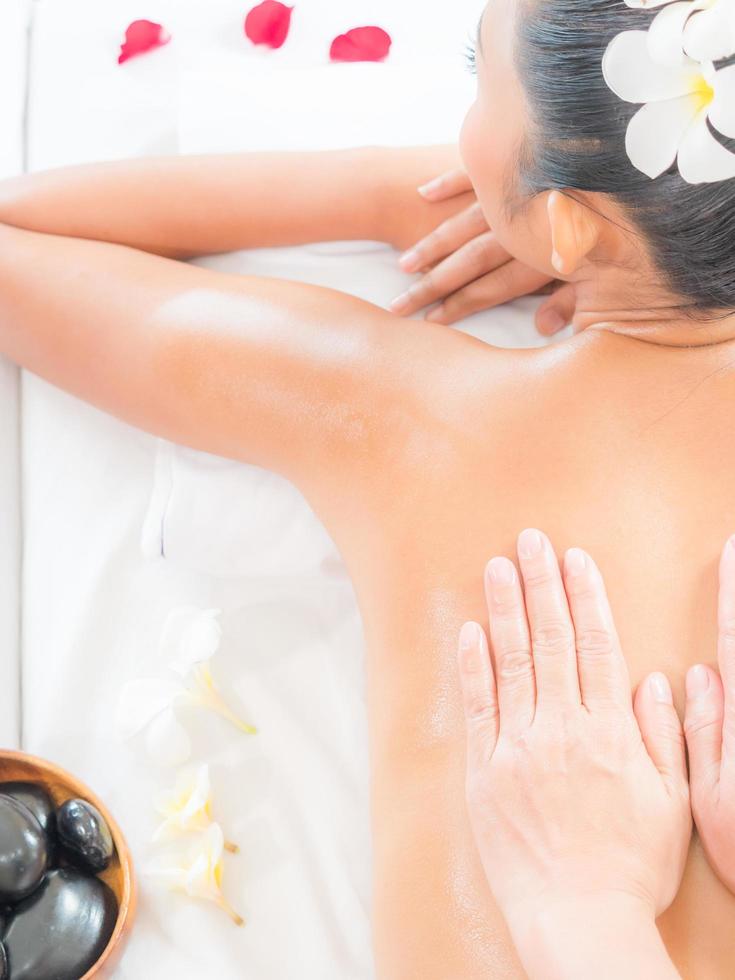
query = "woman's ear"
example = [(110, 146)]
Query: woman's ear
[(574, 232)]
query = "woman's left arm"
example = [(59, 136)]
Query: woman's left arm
[(185, 206), (312, 383)]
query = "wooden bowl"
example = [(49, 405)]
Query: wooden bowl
[(61, 786)]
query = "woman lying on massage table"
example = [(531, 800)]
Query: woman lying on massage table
[(423, 449)]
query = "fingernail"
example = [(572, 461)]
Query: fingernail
[(661, 689), (731, 542), (552, 321), (530, 543), (400, 302), (433, 185), (697, 681), (501, 571), (468, 636), (557, 261), (575, 561), (436, 315), (409, 260)]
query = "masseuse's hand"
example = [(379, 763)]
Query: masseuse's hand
[(578, 799), (710, 731), (466, 270)]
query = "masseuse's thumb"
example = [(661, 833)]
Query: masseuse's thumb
[(703, 726), (557, 311), (661, 730)]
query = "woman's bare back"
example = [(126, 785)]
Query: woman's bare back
[(619, 446)]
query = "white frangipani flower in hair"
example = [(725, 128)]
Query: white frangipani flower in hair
[(700, 29), (189, 640), (678, 100), (197, 872)]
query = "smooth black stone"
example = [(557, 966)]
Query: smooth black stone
[(84, 835), (23, 851), (62, 929), (38, 802), (4, 968)]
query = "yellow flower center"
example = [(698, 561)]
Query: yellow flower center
[(703, 92)]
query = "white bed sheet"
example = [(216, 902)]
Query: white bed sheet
[(98, 492), (14, 16)]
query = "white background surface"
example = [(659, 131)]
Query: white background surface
[(94, 601)]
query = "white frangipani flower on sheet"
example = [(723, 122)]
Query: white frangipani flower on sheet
[(198, 871), (188, 806), (678, 101), (189, 640)]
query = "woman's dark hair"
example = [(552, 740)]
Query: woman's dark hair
[(576, 140)]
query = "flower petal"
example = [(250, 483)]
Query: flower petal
[(268, 23), (701, 158), (142, 36), (189, 636), (634, 76), (655, 133), (140, 701), (361, 44), (666, 34), (167, 741), (710, 34), (645, 4), (722, 107)]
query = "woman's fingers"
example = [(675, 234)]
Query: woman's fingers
[(557, 311), (446, 185), (511, 646), (507, 282), (479, 695), (552, 633), (466, 264), (603, 673), (445, 239), (661, 730), (705, 705)]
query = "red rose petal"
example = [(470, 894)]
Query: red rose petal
[(268, 23), (361, 44), (141, 36)]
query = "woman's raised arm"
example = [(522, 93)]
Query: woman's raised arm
[(185, 206), (309, 382)]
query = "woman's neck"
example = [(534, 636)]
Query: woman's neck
[(651, 322)]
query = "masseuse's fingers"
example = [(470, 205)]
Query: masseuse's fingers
[(661, 730), (603, 674), (479, 696), (511, 645), (552, 633), (445, 239), (709, 721), (726, 643), (705, 706)]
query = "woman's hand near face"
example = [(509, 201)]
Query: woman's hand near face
[(710, 732), (578, 798), (466, 269)]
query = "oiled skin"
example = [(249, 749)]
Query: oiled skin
[(424, 452)]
